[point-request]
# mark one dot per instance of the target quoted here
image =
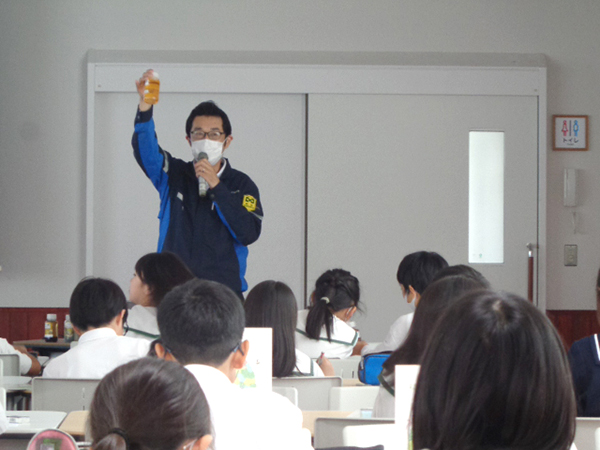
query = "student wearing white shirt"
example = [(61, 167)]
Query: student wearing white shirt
[(438, 296), (201, 325), (272, 304), (155, 275), (98, 312), (323, 329), (415, 272), (29, 365)]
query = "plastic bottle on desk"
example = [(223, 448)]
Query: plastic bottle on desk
[(69, 333), (50, 328)]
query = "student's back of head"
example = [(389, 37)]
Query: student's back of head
[(161, 272), (201, 322), (418, 269), (335, 290), (463, 271), (149, 404), (436, 299), (273, 304), (95, 302), (494, 376)]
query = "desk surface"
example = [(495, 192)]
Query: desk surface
[(74, 424), (41, 343), (12, 383), (309, 418), (27, 423)]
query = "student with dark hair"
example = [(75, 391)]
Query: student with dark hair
[(201, 325), (272, 304), (415, 273), (463, 271), (209, 212), (98, 313), (155, 275), (438, 296), (584, 357), (494, 376), (323, 329), (149, 404)]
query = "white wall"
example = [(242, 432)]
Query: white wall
[(42, 103)]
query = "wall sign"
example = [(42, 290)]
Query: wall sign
[(570, 133)]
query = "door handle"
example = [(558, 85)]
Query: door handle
[(530, 264)]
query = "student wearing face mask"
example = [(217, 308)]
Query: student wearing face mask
[(324, 330), (209, 212), (415, 272)]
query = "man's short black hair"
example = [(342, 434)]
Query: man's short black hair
[(209, 109), (201, 322), (418, 269), (95, 302)]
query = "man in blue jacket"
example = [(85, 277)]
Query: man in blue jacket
[(209, 212)]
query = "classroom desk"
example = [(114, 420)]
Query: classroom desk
[(18, 392), (45, 348), (23, 425), (74, 424), (309, 418)]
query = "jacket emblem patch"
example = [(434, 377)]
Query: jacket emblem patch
[(249, 203)]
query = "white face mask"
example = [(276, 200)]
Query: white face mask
[(213, 149)]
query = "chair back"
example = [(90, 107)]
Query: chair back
[(313, 392), (288, 392), (370, 435), (351, 398), (346, 367), (11, 365), (58, 439), (585, 432), (329, 431), (62, 394), (3, 398)]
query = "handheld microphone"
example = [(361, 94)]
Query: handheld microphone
[(202, 183)]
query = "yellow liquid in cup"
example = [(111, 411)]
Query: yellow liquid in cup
[(151, 91)]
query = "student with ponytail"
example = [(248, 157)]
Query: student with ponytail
[(150, 404), (323, 330)]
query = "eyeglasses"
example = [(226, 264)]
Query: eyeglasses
[(213, 135), (238, 347), (189, 445)]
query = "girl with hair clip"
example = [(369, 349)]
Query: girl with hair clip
[(149, 404), (155, 275), (436, 298), (272, 304), (494, 376), (584, 357), (323, 330)]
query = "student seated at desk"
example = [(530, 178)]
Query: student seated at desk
[(98, 312), (272, 304), (149, 404), (494, 376), (155, 275), (324, 328), (415, 273), (29, 365), (435, 300), (201, 326)]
